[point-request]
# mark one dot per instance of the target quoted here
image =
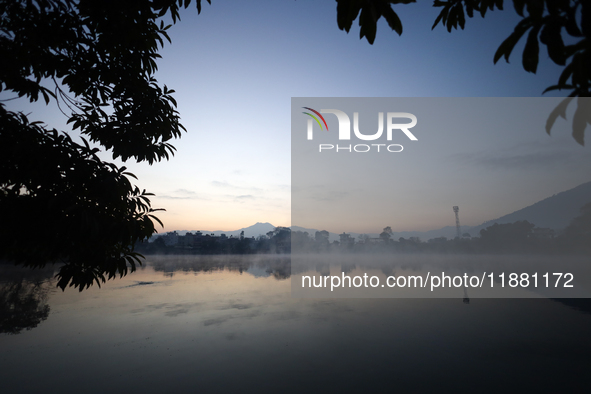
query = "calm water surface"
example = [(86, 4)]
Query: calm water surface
[(228, 324)]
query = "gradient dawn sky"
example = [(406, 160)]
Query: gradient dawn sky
[(236, 67)]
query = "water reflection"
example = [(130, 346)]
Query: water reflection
[(229, 324), (275, 266), (23, 298)]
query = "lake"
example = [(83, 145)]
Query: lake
[(228, 324)]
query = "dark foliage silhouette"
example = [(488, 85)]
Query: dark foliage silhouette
[(21, 307), (99, 58), (65, 205), (23, 298), (544, 21)]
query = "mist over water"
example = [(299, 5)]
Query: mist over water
[(230, 324)]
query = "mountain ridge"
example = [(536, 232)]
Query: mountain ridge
[(554, 212)]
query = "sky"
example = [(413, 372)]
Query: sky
[(483, 154), (236, 66)]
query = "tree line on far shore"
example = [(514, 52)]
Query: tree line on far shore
[(517, 237)]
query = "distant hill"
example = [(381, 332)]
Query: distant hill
[(554, 212), (252, 231)]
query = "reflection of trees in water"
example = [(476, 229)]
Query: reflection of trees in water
[(23, 298), (278, 267)]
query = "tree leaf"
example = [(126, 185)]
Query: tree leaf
[(392, 19), (570, 24), (507, 46), (551, 37), (461, 17), (557, 87), (560, 110), (470, 9), (531, 51), (368, 23), (347, 12), (519, 5), (566, 73), (442, 15), (581, 118)]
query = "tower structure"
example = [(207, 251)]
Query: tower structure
[(456, 211)]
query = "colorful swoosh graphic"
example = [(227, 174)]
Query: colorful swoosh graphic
[(315, 118)]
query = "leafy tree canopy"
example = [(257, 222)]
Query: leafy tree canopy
[(544, 22), (97, 59)]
